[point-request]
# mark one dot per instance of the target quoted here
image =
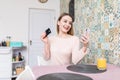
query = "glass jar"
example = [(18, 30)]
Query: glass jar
[(8, 38)]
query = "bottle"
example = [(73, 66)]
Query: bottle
[(4, 43), (17, 58), (14, 58), (101, 63), (8, 41), (20, 56)]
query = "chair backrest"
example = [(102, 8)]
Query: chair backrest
[(41, 61), (27, 74)]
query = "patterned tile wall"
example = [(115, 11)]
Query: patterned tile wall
[(102, 17), (64, 6)]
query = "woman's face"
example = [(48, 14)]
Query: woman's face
[(65, 24)]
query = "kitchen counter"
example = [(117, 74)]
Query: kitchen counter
[(112, 73)]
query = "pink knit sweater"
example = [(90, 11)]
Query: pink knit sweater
[(65, 51)]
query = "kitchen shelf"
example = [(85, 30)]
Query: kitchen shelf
[(18, 61), (14, 76), (17, 64)]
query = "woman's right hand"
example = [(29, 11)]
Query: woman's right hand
[(44, 38)]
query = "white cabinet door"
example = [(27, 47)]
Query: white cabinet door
[(40, 20), (5, 63)]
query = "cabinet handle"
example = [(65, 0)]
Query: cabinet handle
[(30, 42)]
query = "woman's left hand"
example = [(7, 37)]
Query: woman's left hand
[(85, 40)]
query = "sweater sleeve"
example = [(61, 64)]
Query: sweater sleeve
[(77, 53)]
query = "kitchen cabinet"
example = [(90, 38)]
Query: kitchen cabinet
[(18, 60), (12, 62), (5, 63)]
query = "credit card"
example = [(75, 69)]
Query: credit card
[(47, 31)]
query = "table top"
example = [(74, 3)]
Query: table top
[(112, 73)]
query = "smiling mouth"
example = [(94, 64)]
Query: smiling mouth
[(66, 27)]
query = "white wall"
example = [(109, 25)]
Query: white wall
[(14, 17)]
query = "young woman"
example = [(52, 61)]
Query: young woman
[(64, 48)]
